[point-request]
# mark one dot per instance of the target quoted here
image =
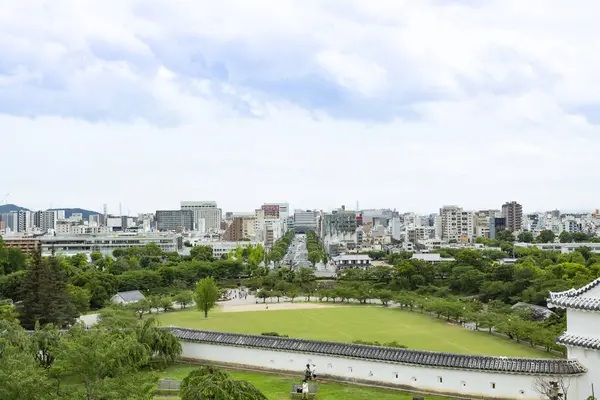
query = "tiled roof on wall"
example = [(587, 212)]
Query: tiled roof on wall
[(576, 292), (385, 354), (570, 339), (581, 303)]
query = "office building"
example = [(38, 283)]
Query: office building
[(305, 220), (513, 213), (171, 220), (206, 210), (276, 210)]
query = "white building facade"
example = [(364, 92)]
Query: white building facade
[(206, 210), (582, 337)]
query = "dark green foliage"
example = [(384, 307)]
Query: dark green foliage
[(45, 296), (210, 383)]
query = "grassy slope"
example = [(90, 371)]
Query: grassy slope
[(346, 324), (277, 387)]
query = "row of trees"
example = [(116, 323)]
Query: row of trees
[(316, 251), (545, 236)]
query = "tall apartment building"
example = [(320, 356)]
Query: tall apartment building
[(456, 224), (207, 211), (170, 220), (235, 230), (45, 220), (513, 213)]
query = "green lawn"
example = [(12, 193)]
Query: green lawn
[(277, 387), (346, 324)]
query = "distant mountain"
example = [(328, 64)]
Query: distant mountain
[(6, 208)]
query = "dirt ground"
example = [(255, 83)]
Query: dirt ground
[(271, 307)]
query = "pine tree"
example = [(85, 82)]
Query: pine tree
[(45, 296)]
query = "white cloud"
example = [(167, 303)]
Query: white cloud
[(395, 103)]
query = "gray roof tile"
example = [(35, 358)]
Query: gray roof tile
[(387, 354), (572, 298), (570, 339)]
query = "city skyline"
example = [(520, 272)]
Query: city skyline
[(118, 208), (393, 103)]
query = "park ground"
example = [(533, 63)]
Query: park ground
[(350, 323), (277, 387)]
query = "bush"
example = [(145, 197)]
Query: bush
[(376, 343), (273, 334)]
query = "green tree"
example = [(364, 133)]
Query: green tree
[(21, 377), (505, 235), (292, 293), (210, 383), (80, 298), (45, 296), (202, 253), (546, 236), (525, 237), (164, 347), (314, 257), (106, 364), (206, 295), (140, 307), (184, 298), (565, 237)]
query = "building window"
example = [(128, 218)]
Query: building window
[(521, 391), (396, 375), (440, 380), (464, 384), (493, 385), (414, 378), (349, 369)]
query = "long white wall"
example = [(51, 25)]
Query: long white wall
[(470, 383)]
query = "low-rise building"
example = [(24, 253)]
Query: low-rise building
[(25, 244), (221, 249), (358, 261), (431, 257), (105, 243)]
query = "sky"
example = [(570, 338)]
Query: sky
[(403, 104)]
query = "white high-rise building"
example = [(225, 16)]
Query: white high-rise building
[(456, 224), (206, 210)]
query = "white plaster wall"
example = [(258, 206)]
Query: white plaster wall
[(591, 360), (508, 386), (584, 323)]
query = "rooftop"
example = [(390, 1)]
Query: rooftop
[(540, 366), (573, 298)]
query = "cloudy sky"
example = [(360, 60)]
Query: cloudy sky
[(401, 104)]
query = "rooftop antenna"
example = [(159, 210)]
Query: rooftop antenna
[(6, 198), (120, 210), (357, 206)]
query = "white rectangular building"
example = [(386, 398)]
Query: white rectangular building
[(206, 210)]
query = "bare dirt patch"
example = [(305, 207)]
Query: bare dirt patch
[(272, 307)]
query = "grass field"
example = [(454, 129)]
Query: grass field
[(277, 387), (346, 324)]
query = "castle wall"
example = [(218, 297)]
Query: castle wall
[(488, 385)]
